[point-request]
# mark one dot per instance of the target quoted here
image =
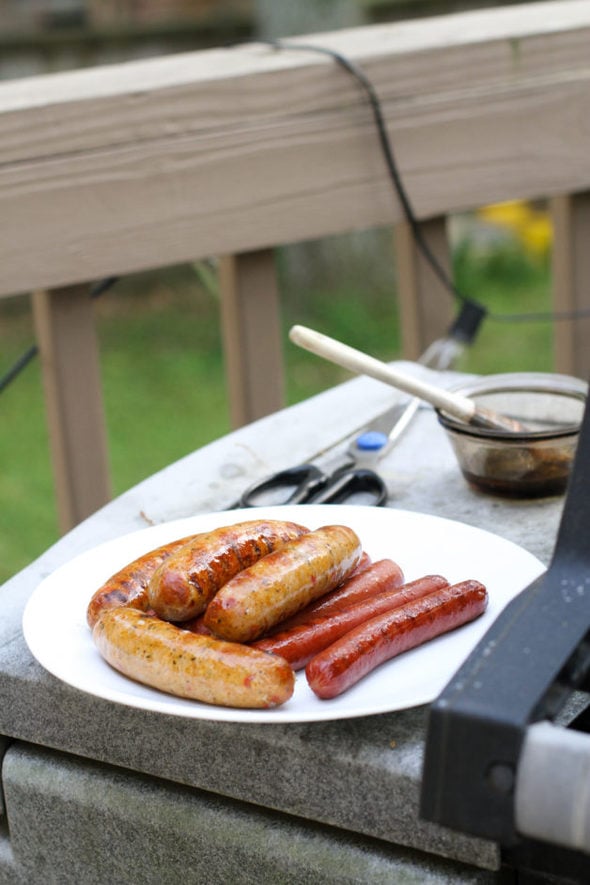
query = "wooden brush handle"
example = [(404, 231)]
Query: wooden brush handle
[(361, 364), (456, 405)]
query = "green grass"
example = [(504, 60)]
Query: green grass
[(162, 370), (507, 282), (163, 374)]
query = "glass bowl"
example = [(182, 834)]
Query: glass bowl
[(530, 464)]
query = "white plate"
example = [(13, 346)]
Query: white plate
[(54, 621)]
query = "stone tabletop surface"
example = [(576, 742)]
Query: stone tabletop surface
[(360, 774)]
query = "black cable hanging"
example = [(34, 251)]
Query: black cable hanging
[(18, 366), (95, 291), (406, 204)]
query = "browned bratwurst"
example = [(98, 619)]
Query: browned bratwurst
[(129, 585), (163, 656), (374, 578), (185, 583), (283, 583)]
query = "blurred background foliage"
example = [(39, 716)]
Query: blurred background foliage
[(48, 35), (159, 331)]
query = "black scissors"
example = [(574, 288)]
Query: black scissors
[(310, 484), (352, 474)]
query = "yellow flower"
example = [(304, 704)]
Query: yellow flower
[(537, 235), (530, 226), (511, 215)]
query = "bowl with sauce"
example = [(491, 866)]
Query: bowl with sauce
[(531, 463)]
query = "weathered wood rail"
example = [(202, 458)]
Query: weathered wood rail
[(233, 152)]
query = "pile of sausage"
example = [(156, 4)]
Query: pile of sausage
[(226, 617)]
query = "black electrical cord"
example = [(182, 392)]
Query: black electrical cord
[(406, 204), (95, 291), (18, 366)]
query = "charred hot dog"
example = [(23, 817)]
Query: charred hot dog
[(299, 644), (358, 652)]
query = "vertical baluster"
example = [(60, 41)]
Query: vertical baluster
[(425, 306), (571, 281), (251, 330), (66, 335)]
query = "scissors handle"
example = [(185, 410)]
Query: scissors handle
[(344, 484), (305, 479)]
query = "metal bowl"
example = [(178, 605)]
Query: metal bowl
[(531, 464)]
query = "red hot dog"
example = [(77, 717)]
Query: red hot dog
[(299, 644), (163, 656), (283, 583), (182, 586), (129, 585), (357, 653)]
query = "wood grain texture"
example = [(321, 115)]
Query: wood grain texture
[(571, 275), (425, 305), (66, 332), (251, 329), (144, 164)]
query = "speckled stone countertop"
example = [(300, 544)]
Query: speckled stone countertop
[(340, 797)]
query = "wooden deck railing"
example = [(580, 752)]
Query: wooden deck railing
[(232, 152)]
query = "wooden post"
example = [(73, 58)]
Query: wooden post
[(66, 335), (425, 305), (251, 333), (571, 281)]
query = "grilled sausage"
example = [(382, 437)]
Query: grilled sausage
[(365, 582), (299, 644), (183, 585), (283, 582), (197, 625), (163, 656), (358, 652), (129, 585), (363, 563)]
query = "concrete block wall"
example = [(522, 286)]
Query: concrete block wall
[(74, 822)]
